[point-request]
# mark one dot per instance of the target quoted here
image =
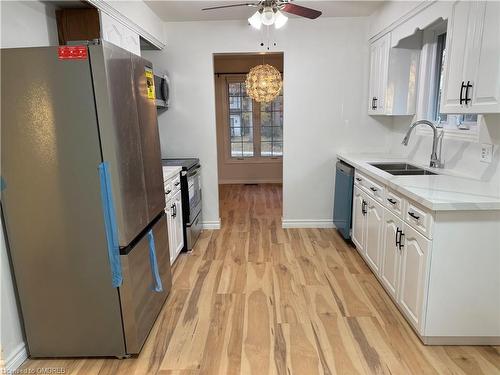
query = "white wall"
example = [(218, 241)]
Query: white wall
[(325, 69)]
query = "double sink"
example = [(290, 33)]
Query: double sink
[(402, 169)]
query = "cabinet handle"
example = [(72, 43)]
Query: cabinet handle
[(168, 191), (401, 235), (363, 208), (374, 103), (174, 210), (467, 87), (373, 189), (397, 233), (391, 201), (358, 179), (462, 93), (412, 214), (177, 183)]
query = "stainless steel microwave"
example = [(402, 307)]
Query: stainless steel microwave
[(162, 90)]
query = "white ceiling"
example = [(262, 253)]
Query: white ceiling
[(187, 10)]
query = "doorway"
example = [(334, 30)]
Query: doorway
[(249, 140)]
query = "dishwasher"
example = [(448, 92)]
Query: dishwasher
[(342, 204)]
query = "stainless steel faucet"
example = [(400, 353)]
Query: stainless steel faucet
[(435, 161)]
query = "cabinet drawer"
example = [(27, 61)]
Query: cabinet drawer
[(419, 218), (176, 184), (168, 190), (395, 203), (374, 189)]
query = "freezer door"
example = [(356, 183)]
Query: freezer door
[(52, 206), (150, 140), (141, 304), (112, 72)]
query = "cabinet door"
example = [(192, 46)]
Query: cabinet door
[(374, 231), (374, 78), (391, 254), (457, 46), (171, 229), (178, 224), (384, 47), (358, 220), (486, 84), (413, 275)]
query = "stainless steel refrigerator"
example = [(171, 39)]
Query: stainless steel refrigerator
[(82, 198)]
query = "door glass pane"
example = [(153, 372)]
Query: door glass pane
[(266, 149), (247, 149), (271, 121), (240, 121)]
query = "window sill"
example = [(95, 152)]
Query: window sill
[(471, 135), (255, 160)]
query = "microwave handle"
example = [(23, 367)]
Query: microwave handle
[(164, 89)]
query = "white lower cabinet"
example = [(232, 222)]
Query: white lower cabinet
[(374, 230), (414, 255), (175, 226), (396, 252), (358, 219), (178, 225), (439, 267), (391, 254)]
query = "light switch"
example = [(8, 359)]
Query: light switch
[(486, 152)]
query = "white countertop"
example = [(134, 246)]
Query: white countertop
[(443, 192), (169, 172)]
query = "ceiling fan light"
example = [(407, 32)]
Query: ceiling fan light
[(256, 20), (279, 19), (268, 16)]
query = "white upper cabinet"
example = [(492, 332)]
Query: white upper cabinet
[(393, 75), (379, 66), (120, 35), (472, 72)]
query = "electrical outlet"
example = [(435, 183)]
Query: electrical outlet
[(486, 153)]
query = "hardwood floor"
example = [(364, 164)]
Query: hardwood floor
[(253, 298)]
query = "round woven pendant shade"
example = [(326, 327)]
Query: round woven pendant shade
[(263, 83)]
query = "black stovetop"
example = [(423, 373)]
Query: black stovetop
[(186, 164)]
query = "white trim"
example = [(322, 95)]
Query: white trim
[(252, 181), (306, 223), (16, 358), (211, 224), (412, 13), (103, 6)]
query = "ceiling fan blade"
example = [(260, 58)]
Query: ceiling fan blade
[(300, 11), (232, 6)]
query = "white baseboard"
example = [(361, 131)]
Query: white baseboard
[(299, 223), (250, 181), (210, 225), (15, 359)]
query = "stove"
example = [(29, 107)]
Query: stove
[(185, 164)]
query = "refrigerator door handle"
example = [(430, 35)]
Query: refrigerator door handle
[(158, 287), (110, 225)]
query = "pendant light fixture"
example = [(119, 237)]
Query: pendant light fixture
[(263, 83)]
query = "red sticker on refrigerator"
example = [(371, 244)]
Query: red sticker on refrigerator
[(72, 52)]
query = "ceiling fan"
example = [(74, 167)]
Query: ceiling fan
[(270, 12)]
